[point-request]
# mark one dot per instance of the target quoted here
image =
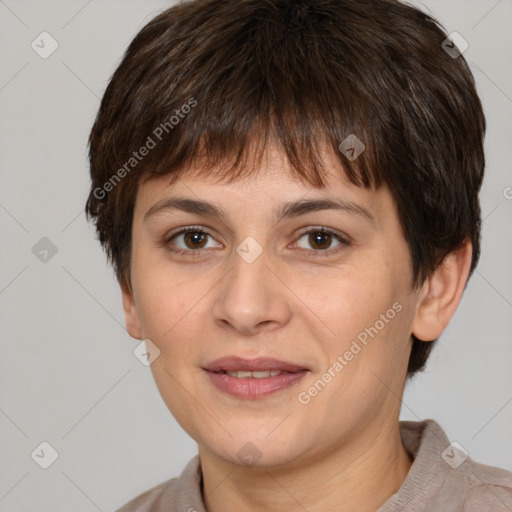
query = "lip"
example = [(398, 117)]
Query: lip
[(233, 363), (251, 388)]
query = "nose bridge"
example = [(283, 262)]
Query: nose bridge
[(250, 296), (248, 282)]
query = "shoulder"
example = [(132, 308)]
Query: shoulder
[(182, 493), (159, 498), (444, 477), (471, 485), (489, 488)]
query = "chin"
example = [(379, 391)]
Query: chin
[(254, 450)]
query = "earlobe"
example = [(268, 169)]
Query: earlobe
[(441, 294), (131, 315)]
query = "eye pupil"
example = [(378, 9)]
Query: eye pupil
[(320, 238), (197, 238)]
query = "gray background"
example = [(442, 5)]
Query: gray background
[(67, 372)]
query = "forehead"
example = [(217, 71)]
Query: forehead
[(271, 190), (271, 176)]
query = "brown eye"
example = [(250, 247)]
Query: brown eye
[(321, 240), (191, 240), (195, 239)]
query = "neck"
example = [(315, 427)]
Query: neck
[(360, 476)]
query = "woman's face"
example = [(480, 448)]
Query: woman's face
[(281, 274)]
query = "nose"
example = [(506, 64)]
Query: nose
[(251, 299)]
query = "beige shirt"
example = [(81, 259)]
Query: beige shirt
[(442, 479)]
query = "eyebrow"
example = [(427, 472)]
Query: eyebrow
[(287, 210)]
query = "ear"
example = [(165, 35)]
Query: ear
[(441, 293), (131, 315)]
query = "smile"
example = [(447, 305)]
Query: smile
[(254, 375), (253, 379)]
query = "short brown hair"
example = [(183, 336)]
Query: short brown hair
[(303, 74)]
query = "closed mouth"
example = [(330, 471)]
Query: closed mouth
[(257, 368)]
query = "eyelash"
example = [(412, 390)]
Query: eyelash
[(193, 253)]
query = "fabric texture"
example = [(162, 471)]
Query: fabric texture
[(442, 478)]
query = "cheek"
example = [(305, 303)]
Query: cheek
[(369, 319), (159, 311), (168, 298), (348, 300)]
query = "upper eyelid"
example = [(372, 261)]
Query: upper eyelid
[(325, 230), (200, 229), (343, 239), (187, 229)]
